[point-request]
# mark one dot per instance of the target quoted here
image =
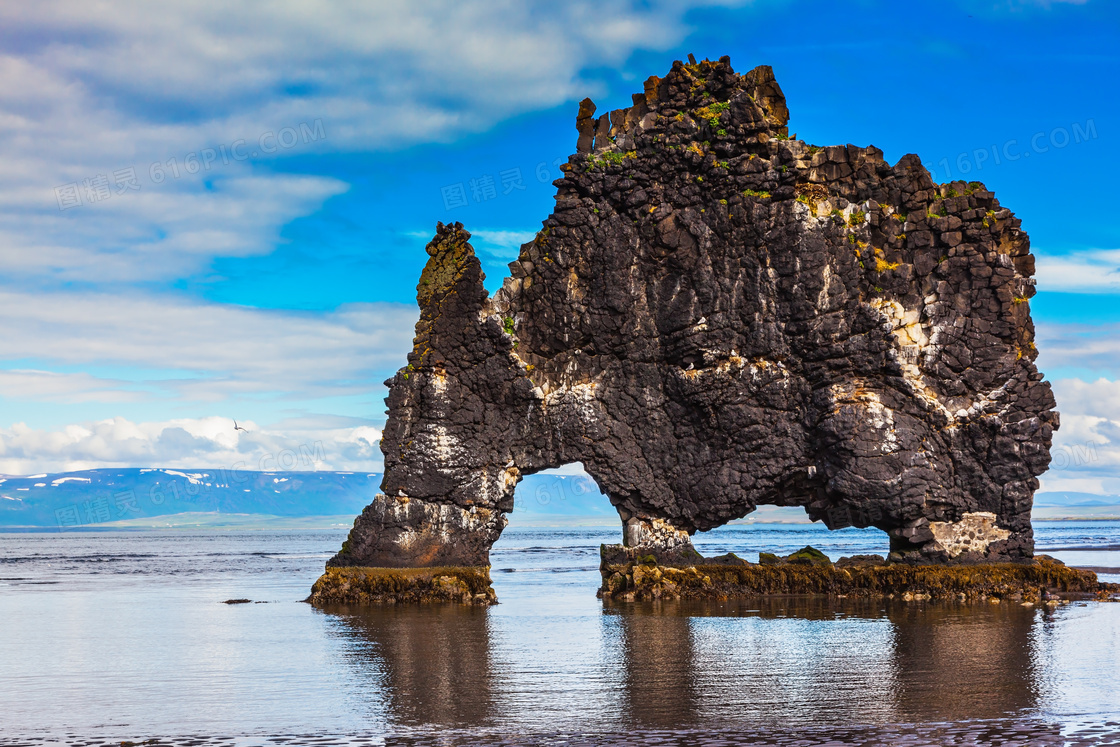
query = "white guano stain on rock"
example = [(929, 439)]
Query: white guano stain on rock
[(973, 533)]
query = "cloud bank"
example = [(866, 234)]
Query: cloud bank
[(1095, 271), (189, 443), (169, 90), (201, 352), (1086, 452)]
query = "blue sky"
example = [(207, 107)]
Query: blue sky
[(273, 278)]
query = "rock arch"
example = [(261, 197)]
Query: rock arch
[(562, 491), (716, 316)]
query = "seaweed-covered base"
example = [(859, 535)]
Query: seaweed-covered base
[(361, 586), (629, 575)]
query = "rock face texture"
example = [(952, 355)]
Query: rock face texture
[(716, 316)]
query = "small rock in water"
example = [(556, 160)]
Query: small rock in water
[(237, 601), (808, 555), (768, 558)]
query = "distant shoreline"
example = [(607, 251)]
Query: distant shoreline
[(227, 522)]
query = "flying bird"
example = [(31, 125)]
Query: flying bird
[(237, 427)]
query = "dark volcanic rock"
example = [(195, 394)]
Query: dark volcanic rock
[(717, 316)]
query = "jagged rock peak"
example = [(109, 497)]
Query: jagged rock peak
[(753, 103)]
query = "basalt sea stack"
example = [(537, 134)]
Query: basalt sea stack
[(718, 315)]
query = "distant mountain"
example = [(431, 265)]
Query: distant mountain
[(1068, 499), (130, 497), (76, 500)]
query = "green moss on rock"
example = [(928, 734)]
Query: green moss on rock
[(809, 554), (358, 586), (1013, 581)]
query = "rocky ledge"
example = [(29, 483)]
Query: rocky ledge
[(629, 575)]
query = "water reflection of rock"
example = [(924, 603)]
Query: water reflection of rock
[(788, 660), (964, 661), (769, 662), (658, 678), (432, 662)]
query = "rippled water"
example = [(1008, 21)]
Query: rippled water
[(124, 636)]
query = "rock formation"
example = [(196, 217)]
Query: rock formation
[(718, 315)]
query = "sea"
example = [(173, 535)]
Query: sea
[(126, 637)]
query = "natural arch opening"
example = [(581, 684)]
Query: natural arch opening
[(562, 496), (569, 498), (782, 530), (560, 519)]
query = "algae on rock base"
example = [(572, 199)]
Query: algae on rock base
[(628, 577), (356, 585)]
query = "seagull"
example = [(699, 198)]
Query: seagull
[(237, 427)]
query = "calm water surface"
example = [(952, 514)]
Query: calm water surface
[(124, 636)]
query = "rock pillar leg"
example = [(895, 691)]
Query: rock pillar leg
[(656, 536), (410, 550), (976, 537)]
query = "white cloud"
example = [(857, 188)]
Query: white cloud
[(503, 238), (156, 235), (89, 89), (497, 243), (1086, 453), (185, 444), (1096, 271), (1086, 346), (68, 388), (1100, 398), (203, 351), (427, 65)]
